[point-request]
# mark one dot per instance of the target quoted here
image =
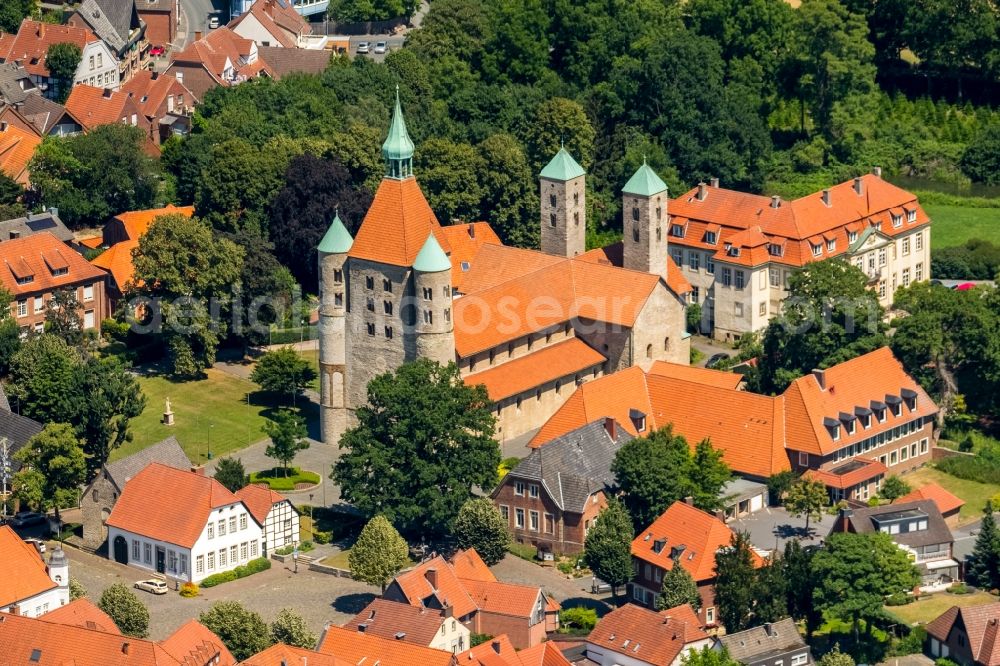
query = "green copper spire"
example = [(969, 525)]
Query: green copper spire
[(562, 167), (398, 148), (644, 182), (337, 239), (431, 258)]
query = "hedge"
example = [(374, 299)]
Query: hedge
[(286, 483), (242, 571)]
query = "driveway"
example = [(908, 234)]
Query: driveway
[(568, 592), (773, 526)]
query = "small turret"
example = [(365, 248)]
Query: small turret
[(645, 222), (332, 251), (563, 192), (59, 572), (432, 288)]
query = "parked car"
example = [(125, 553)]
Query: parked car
[(380, 47), (27, 518), (213, 22), (363, 47), (716, 359), (157, 51), (38, 544), (153, 585), (597, 586)]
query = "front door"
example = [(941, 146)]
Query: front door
[(161, 560), (121, 550)]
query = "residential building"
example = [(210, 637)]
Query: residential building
[(276, 23), (17, 146), (164, 102), (686, 536), (916, 527), (83, 613), (280, 654), (28, 586), (222, 58), (35, 223), (161, 18), (29, 640), (303, 7), (15, 431), (738, 249), (101, 495), (118, 24), (42, 115), (499, 651), (394, 620), (771, 644), (182, 524), (967, 636), (134, 223), (359, 648), (116, 261), (40, 265), (276, 513), (552, 497), (15, 84), (634, 636), (102, 106), (98, 63), (282, 61), (527, 325), (947, 503)]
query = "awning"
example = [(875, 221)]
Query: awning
[(940, 564)]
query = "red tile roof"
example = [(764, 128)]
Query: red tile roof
[(280, 20), (286, 655), (547, 364), (981, 625), (849, 474), (259, 500), (219, 47), (136, 222), (28, 256), (82, 613), (357, 648), (33, 40), (117, 260), (498, 651), (543, 654), (23, 574), (193, 644), (691, 373), (946, 502), (397, 224), (612, 255), (17, 147), (150, 93), (692, 625), (96, 106), (643, 635), (386, 619), (503, 598), (469, 565), (150, 501), (466, 240), (416, 586)]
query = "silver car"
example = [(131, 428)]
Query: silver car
[(381, 47), (152, 585)]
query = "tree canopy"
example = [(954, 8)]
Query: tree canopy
[(479, 525), (230, 473), (243, 631), (62, 59), (53, 468), (129, 614), (283, 371), (287, 431), (378, 554), (607, 548)]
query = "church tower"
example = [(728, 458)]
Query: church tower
[(644, 222), (332, 252), (432, 296), (563, 204)]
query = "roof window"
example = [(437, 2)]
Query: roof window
[(775, 250), (711, 237)]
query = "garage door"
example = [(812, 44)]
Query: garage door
[(756, 503)]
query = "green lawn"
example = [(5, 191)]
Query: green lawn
[(927, 608), (973, 493), (953, 225), (217, 403)]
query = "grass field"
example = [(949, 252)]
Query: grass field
[(953, 225), (973, 493), (217, 403), (927, 608)]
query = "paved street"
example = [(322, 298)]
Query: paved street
[(568, 592), (771, 527)]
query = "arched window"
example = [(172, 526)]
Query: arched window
[(552, 200), (576, 198), (659, 235), (635, 213), (635, 233), (649, 351), (666, 344), (552, 219)]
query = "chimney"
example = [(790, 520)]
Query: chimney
[(448, 611), (714, 182), (689, 500), (775, 201), (858, 187), (125, 648), (768, 629), (41, 29), (820, 376), (826, 197), (432, 577), (845, 519), (107, 93), (702, 191), (472, 230), (877, 171), (612, 427), (197, 35), (155, 76), (198, 469)]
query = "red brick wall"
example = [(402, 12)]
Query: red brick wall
[(196, 79), (160, 27), (99, 305), (517, 629), (568, 528)]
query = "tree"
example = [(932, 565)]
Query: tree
[(13, 12), (981, 159), (510, 196), (797, 564), (983, 569), (378, 554), (559, 122), (678, 589), (129, 614), (76, 589), (241, 630), (64, 316), (836, 658), (110, 398), (735, 589), (289, 628), (283, 371), (708, 474), (10, 334), (607, 548), (893, 488), (42, 376), (449, 175), (231, 474), (423, 441), (770, 597), (267, 289), (807, 498), (479, 525), (62, 59), (706, 656), (856, 572), (287, 431), (55, 457)]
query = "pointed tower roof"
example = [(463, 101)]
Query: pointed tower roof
[(398, 145), (562, 167), (337, 239), (431, 258), (644, 182)]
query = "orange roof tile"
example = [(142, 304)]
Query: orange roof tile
[(357, 648), (82, 613), (95, 106), (848, 474), (149, 92), (496, 264), (17, 146), (946, 502), (466, 240), (387, 619), (24, 573), (642, 634), (543, 654), (612, 256), (416, 586), (700, 533), (149, 504), (220, 47), (691, 373), (503, 598), (137, 222), (193, 644), (259, 499), (33, 40), (60, 644), (23, 258), (498, 651), (547, 364), (469, 565), (117, 260), (684, 613), (981, 626), (280, 20), (286, 655), (93, 242), (397, 225)]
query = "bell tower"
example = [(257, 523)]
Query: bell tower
[(644, 222), (333, 281), (397, 151), (563, 193)]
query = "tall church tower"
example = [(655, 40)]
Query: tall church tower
[(564, 203), (644, 222), (333, 277)]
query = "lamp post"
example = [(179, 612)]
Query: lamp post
[(210, 426), (248, 418)]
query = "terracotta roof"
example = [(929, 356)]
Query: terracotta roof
[(150, 93), (387, 619), (849, 474), (547, 364), (94, 106), (416, 586), (17, 146), (499, 651), (24, 257), (469, 565), (397, 224), (82, 613), (693, 628), (150, 501), (137, 222), (543, 654), (642, 634), (259, 499), (193, 644), (280, 20), (981, 624), (24, 573), (946, 502), (465, 241), (691, 373), (219, 47), (33, 40), (701, 534), (286, 655), (612, 255), (282, 62), (117, 260), (503, 598), (357, 648), (496, 264)]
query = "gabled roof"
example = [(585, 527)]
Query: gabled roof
[(945, 501), (499, 598), (168, 504), (690, 534), (864, 521), (136, 222), (499, 651), (194, 644), (562, 167), (35, 223), (280, 654), (644, 182), (27, 257), (260, 499), (166, 452), (282, 61), (15, 84), (691, 373), (543, 654), (387, 619), (279, 19), (17, 147), (18, 430), (219, 47), (465, 240), (117, 260), (470, 566), (150, 89), (24, 573), (416, 586), (356, 648), (396, 225), (112, 20), (643, 634), (613, 255), (98, 106), (45, 114), (752, 644), (33, 40), (83, 613), (848, 474), (981, 626)]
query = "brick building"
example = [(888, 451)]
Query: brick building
[(118, 24), (164, 102), (967, 636), (161, 18), (103, 106)]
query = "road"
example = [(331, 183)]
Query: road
[(194, 18)]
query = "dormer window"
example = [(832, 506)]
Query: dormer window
[(711, 237), (26, 279), (910, 397), (638, 419), (677, 230), (852, 236), (733, 251), (817, 249), (897, 221), (60, 271), (833, 427), (775, 250), (831, 245), (911, 216)]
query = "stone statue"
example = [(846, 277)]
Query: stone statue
[(168, 415)]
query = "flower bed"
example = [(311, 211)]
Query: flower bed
[(277, 480)]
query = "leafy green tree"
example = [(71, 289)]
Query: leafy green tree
[(836, 658), (11, 193), (283, 371), (893, 487), (241, 630), (707, 656), (981, 159), (479, 525), (807, 498), (983, 568), (289, 628), (231, 474), (262, 277), (110, 397), (519, 49), (62, 59), (10, 334), (708, 474), (678, 589), (856, 572), (56, 455), (607, 548), (578, 620), (735, 589), (800, 583), (64, 316), (510, 195), (129, 614), (13, 12), (42, 376), (287, 431), (449, 176), (379, 553), (778, 484), (76, 589), (423, 441), (770, 592), (559, 122)]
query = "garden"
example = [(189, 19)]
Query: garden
[(284, 479)]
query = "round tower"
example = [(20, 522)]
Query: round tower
[(59, 573), (434, 329), (332, 251)]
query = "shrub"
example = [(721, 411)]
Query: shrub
[(189, 590), (898, 599), (242, 571), (321, 537), (218, 579), (912, 643), (479, 639), (959, 588), (944, 662), (578, 620), (523, 551)]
